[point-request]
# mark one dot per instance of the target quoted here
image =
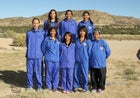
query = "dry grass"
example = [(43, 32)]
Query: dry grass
[(120, 37), (123, 76)]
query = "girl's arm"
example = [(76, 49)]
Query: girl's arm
[(60, 28), (76, 27), (43, 46), (45, 25), (107, 50), (89, 47), (26, 39), (93, 26)]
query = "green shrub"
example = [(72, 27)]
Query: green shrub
[(8, 34), (129, 71), (19, 40), (130, 74)]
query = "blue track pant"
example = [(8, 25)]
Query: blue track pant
[(34, 66), (81, 75), (66, 79), (52, 75)]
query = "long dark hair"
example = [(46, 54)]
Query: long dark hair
[(86, 12), (48, 25), (69, 33), (51, 30), (85, 30)]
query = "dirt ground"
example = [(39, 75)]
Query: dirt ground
[(123, 76)]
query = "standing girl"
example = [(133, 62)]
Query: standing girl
[(87, 22), (100, 51), (52, 21), (67, 60), (34, 38), (68, 25), (82, 52), (50, 48)]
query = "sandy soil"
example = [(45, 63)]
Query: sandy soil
[(123, 56), (124, 49)]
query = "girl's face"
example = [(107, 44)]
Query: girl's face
[(68, 15), (67, 37), (52, 14), (82, 33), (86, 17), (53, 33), (35, 24), (96, 36)]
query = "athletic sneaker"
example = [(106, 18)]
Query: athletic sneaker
[(64, 91), (39, 89), (68, 92), (48, 90), (55, 90), (75, 89), (94, 91), (100, 91), (84, 90), (29, 88)]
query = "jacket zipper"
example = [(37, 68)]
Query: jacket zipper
[(35, 44)]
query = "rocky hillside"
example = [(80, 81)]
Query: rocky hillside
[(99, 18)]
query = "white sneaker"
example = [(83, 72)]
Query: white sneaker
[(100, 91), (94, 91), (64, 91)]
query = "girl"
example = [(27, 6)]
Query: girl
[(34, 38), (50, 49), (100, 51), (87, 22), (67, 60), (68, 25), (52, 21), (82, 52)]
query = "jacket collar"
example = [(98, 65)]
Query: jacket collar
[(64, 44), (87, 22), (38, 30), (69, 20), (82, 41), (50, 38)]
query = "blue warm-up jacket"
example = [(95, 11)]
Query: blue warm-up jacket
[(33, 43), (67, 55), (82, 51), (89, 27), (100, 51), (52, 24), (50, 49), (68, 26)]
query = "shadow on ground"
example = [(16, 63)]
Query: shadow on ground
[(16, 78)]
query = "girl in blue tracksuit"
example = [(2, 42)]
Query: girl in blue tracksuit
[(52, 21), (82, 52), (67, 60), (50, 49), (87, 22), (34, 38), (68, 25), (100, 51)]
